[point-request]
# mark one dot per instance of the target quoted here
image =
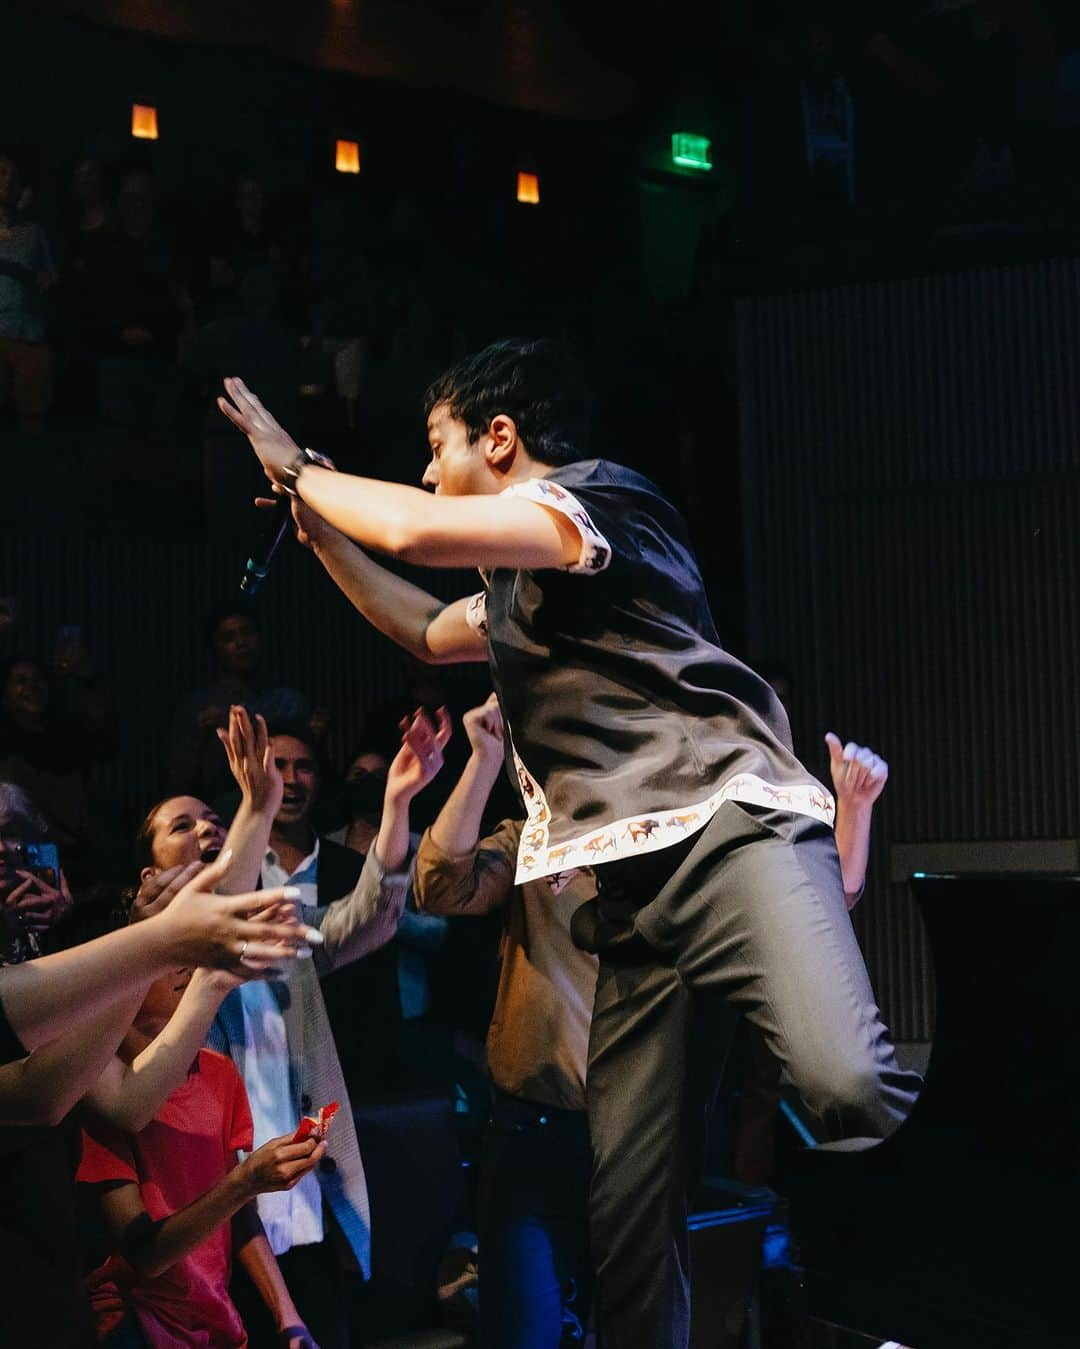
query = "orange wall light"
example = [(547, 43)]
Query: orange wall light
[(144, 122), (347, 157), (528, 190)]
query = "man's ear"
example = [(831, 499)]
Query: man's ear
[(503, 443), (147, 872)]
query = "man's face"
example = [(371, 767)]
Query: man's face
[(236, 642), (185, 830), (300, 774), (26, 691), (457, 468)]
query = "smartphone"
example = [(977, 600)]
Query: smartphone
[(43, 860)]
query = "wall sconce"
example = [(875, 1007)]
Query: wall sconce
[(347, 157), (144, 122), (528, 189)]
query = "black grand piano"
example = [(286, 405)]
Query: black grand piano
[(962, 1228)]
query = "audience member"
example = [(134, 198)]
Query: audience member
[(179, 1205), (378, 1000), (132, 309), (54, 727), (197, 765), (536, 1272), (31, 902), (281, 1042), (26, 272), (61, 1021), (88, 207), (243, 240)]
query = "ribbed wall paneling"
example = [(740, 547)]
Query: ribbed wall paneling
[(143, 605), (912, 478)]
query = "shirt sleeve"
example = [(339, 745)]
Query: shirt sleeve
[(476, 613), (595, 549), (106, 1156), (236, 1114), (475, 883)]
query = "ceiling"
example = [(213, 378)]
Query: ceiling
[(532, 54)]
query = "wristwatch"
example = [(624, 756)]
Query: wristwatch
[(291, 472)]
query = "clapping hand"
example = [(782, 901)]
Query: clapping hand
[(251, 761)]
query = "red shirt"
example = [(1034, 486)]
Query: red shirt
[(187, 1148)]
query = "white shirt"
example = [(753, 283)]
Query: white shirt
[(291, 1217)]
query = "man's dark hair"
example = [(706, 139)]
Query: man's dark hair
[(532, 382), (299, 730)]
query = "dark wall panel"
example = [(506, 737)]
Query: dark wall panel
[(912, 478)]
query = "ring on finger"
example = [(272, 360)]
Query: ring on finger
[(243, 949)]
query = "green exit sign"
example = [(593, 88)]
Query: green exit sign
[(691, 152)]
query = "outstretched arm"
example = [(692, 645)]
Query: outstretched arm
[(434, 632), (405, 522), (367, 918), (859, 776), (129, 1095), (49, 997)]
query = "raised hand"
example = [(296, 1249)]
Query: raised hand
[(484, 728), (275, 448), (859, 775), (420, 758), (251, 761)]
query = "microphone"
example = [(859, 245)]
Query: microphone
[(258, 565)]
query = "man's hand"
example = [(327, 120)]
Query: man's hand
[(280, 1164), (420, 758), (859, 775), (251, 761), (275, 448), (484, 727)]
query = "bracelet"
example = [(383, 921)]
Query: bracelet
[(296, 466)]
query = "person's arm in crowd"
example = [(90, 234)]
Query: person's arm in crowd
[(456, 873), (859, 776), (367, 918), (129, 1095), (42, 1088), (152, 1247), (251, 760), (55, 994), (253, 1253)]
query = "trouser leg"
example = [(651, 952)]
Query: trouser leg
[(636, 1080), (756, 913)]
